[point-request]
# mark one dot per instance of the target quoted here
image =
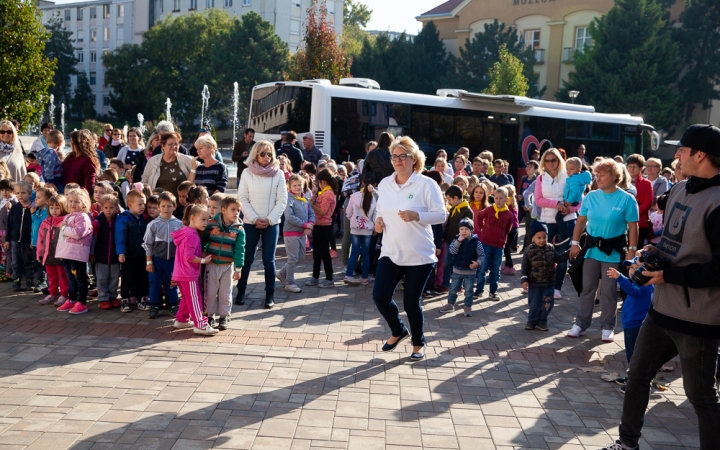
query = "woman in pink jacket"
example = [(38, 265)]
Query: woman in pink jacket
[(74, 249), (323, 205)]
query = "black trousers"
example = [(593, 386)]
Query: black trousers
[(321, 251), (135, 281)]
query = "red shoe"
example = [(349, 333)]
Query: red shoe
[(114, 303), (67, 306), (105, 306), (93, 293), (79, 308)]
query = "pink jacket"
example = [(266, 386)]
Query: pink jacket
[(76, 237), (45, 238), (187, 243), (326, 202)]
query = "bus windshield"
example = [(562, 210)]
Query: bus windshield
[(281, 108)]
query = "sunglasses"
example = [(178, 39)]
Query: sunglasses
[(264, 154), (551, 161), (5, 132), (401, 157)]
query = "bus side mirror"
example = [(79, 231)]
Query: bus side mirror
[(654, 140)]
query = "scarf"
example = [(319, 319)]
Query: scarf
[(6, 149), (499, 210), (459, 207), (477, 205), (323, 190), (115, 142), (301, 199), (268, 171)]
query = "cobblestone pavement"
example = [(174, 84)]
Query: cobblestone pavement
[(309, 374)]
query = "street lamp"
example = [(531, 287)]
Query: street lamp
[(573, 95)]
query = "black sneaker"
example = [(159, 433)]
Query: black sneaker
[(529, 326), (125, 306), (622, 381), (269, 302), (17, 287), (30, 286), (46, 291), (542, 326), (211, 322), (222, 323), (493, 296), (154, 312)]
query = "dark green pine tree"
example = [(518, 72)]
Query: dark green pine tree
[(699, 43), (59, 48), (632, 65), (82, 106), (482, 51), (372, 62), (433, 59)]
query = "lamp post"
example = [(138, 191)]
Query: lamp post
[(573, 95)]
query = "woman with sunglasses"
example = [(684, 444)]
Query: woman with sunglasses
[(549, 190), (11, 151), (115, 144), (408, 205), (263, 196)]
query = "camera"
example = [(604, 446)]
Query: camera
[(650, 263)]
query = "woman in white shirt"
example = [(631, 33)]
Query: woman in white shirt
[(408, 204)]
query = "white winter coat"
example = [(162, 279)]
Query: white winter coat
[(262, 197)]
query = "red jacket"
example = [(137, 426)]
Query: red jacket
[(495, 230), (644, 198), (80, 170)]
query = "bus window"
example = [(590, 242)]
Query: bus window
[(277, 108), (630, 145)]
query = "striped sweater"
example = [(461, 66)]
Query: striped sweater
[(224, 243)]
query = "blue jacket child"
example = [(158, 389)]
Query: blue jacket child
[(129, 238), (635, 307)]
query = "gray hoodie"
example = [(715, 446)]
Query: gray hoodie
[(297, 213), (157, 240)]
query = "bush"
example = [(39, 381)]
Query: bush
[(94, 126)]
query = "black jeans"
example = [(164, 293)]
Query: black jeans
[(135, 281), (321, 251), (76, 272), (388, 276), (655, 345), (512, 240)]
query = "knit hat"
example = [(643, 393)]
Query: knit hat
[(537, 227), (467, 223)]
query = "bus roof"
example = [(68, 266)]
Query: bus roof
[(459, 99)]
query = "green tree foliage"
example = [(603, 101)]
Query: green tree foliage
[(699, 44), (631, 67), (356, 14), (506, 76), (482, 51), (26, 73), (94, 126), (59, 48), (180, 55), (83, 101), (321, 56)]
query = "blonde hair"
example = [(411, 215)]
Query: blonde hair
[(411, 147), (59, 200), (440, 160), (503, 190), (110, 198), (266, 146), (16, 138), (206, 140), (35, 179), (575, 161), (511, 195), (487, 154), (654, 161), (82, 195), (4, 171), (558, 155), (625, 180), (614, 168)]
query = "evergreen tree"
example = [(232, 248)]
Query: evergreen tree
[(59, 48), (506, 76), (356, 14), (477, 57), (26, 72), (632, 65), (83, 102)]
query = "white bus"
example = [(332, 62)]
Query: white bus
[(344, 117)]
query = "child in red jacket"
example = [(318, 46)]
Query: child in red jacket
[(324, 206), (497, 221)]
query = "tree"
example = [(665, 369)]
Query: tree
[(631, 67), (26, 72), (59, 48), (699, 40), (356, 14), (320, 56), (506, 76), (83, 102), (482, 51)]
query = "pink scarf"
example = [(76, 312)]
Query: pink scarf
[(268, 171)]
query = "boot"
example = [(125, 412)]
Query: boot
[(240, 297), (269, 302)]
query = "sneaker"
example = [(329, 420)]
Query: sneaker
[(575, 332), (174, 310), (333, 254), (36, 289), (104, 306), (366, 281), (79, 308), (326, 284), (608, 335), (30, 286), (292, 287), (622, 381), (506, 270), (222, 323), (154, 312), (467, 311), (622, 389), (67, 306), (617, 445), (211, 322), (351, 281), (281, 276), (477, 294), (125, 306), (61, 301), (180, 325), (557, 294), (542, 326), (207, 331), (48, 300), (447, 308), (17, 287), (93, 293), (529, 326), (493, 296), (313, 282), (114, 303), (143, 306)]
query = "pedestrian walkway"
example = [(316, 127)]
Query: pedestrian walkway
[(308, 374)]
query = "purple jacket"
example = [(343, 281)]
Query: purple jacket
[(76, 238), (188, 246)]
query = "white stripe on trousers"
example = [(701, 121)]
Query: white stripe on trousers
[(196, 303)]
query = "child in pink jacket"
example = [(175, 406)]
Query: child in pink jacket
[(48, 237), (324, 206), (74, 249), (186, 270)]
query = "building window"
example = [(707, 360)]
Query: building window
[(120, 34), (93, 13), (93, 78), (193, 4), (106, 11), (67, 15), (93, 35), (79, 36), (106, 100), (294, 27), (93, 57), (79, 14), (532, 39), (210, 4), (228, 3), (296, 5), (162, 7), (247, 2), (176, 5), (106, 34), (81, 57), (582, 38), (121, 10)]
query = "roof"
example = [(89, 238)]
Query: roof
[(444, 9)]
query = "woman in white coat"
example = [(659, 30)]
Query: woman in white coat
[(263, 196), (11, 151)]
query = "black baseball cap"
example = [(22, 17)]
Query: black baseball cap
[(705, 138)]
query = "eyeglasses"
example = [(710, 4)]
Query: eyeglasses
[(107, 130), (5, 132), (264, 154), (401, 157), (551, 161)]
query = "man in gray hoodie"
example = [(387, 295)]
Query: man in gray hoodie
[(684, 318)]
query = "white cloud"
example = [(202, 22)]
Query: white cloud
[(398, 15)]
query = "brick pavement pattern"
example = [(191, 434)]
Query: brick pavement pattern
[(309, 374)]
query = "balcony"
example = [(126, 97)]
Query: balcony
[(567, 56), (539, 56)]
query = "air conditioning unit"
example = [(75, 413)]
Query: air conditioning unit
[(366, 83)]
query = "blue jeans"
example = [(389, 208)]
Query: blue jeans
[(540, 303), (387, 277), (269, 237), (360, 247), (447, 266), (22, 261), (76, 272), (492, 261), (631, 335), (560, 247), (160, 279), (467, 282)]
